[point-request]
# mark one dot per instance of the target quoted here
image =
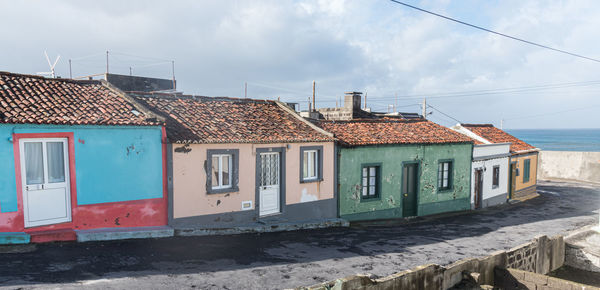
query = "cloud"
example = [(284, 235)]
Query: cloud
[(279, 47)]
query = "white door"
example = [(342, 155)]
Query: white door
[(45, 179), (269, 184)]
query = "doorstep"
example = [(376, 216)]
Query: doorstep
[(53, 236), (262, 227), (107, 234), (14, 238)]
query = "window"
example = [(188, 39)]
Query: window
[(311, 163), (445, 175), (222, 170), (370, 181), (526, 170), (496, 176)]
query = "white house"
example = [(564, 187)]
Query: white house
[(489, 171)]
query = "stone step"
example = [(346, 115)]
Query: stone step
[(107, 234), (53, 236)]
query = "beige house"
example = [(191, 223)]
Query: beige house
[(238, 162)]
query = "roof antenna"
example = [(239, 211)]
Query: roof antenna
[(52, 72)]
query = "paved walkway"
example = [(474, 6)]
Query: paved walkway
[(289, 259)]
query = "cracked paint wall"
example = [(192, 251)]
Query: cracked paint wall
[(389, 205), (118, 176)]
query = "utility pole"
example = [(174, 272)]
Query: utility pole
[(70, 70), (130, 71), (245, 89), (314, 107), (424, 108), (309, 106), (501, 124), (107, 61), (365, 106)]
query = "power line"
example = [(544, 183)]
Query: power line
[(494, 32), (430, 106)]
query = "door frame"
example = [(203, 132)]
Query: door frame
[(512, 181), (282, 165), (72, 179), (478, 188), (417, 189)]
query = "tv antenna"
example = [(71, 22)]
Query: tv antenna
[(52, 66)]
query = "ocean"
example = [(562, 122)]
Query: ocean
[(560, 139)]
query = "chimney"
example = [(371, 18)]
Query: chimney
[(352, 100)]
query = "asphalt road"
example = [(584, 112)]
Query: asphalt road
[(290, 259)]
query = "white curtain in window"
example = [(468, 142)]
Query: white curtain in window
[(56, 162), (34, 164)]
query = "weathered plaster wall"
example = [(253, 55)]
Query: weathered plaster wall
[(583, 166), (189, 180), (389, 205), (520, 160), (118, 171)]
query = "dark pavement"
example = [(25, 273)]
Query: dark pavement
[(290, 259)]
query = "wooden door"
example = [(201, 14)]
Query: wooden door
[(410, 179), (478, 187)]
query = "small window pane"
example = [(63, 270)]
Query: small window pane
[(365, 172), (365, 181), (372, 180), (225, 170), (305, 165), (372, 190), (372, 171), (34, 164), (215, 171), (56, 162), (364, 191)]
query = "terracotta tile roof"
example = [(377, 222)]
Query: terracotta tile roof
[(27, 99), (391, 131), (196, 119), (495, 135)]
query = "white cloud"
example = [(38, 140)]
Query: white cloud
[(377, 46)]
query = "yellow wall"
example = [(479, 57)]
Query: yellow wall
[(189, 179), (520, 159)]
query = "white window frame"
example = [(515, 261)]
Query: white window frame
[(311, 163), (220, 171)]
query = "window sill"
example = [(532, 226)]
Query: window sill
[(367, 199), (222, 190), (311, 180), (446, 190), (495, 186)]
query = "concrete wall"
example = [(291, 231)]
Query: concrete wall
[(193, 207), (584, 166), (118, 178), (541, 256), (519, 279), (390, 158)]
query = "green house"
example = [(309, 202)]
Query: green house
[(393, 168)]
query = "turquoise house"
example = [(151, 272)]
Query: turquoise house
[(78, 156)]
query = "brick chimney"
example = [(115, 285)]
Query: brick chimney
[(352, 100)]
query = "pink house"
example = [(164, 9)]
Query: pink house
[(236, 163)]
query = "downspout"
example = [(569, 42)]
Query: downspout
[(336, 166)]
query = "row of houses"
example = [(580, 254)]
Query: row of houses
[(130, 157)]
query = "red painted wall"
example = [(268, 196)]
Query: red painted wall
[(137, 213)]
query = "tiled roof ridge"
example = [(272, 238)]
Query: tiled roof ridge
[(376, 120), (477, 125), (66, 80), (167, 95)]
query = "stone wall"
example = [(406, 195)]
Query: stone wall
[(519, 279), (584, 166), (542, 255)]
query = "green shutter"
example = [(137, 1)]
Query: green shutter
[(526, 168)]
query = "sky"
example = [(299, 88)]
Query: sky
[(394, 54)]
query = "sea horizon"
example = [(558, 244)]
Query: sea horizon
[(575, 139)]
